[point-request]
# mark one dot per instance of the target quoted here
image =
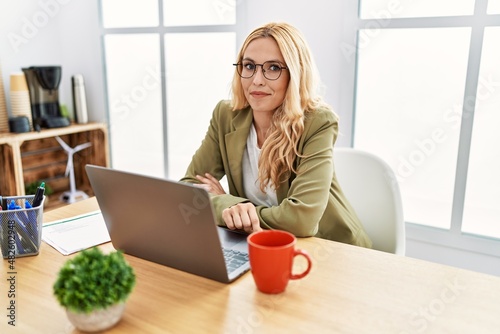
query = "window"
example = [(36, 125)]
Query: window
[(493, 7), (481, 209), (196, 81), (406, 111), (427, 100), (134, 95), (199, 12), (129, 13), (387, 9), (161, 84)]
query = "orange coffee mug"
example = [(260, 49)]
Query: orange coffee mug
[(271, 254)]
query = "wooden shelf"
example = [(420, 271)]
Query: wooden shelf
[(37, 156)]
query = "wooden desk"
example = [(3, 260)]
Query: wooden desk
[(349, 290)]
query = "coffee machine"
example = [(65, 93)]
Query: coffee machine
[(43, 83)]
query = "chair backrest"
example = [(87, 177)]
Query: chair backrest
[(371, 187)]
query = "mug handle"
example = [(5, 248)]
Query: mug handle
[(309, 263)]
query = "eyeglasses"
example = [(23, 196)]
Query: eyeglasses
[(270, 69)]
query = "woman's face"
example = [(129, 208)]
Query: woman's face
[(262, 94)]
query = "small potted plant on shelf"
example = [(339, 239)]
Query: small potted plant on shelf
[(30, 189), (93, 288)]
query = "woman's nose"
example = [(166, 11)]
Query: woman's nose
[(258, 77)]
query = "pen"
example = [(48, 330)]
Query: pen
[(22, 226), (27, 241), (32, 220), (3, 202), (3, 233), (21, 244), (13, 206), (39, 195)]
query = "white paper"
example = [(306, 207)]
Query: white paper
[(76, 233)]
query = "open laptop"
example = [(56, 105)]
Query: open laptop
[(167, 222)]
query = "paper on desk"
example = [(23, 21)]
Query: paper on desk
[(74, 234)]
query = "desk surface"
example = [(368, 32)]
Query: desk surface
[(349, 290)]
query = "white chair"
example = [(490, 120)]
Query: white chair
[(371, 187)]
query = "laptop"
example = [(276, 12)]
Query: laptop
[(167, 222)]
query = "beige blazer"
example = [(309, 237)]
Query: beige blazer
[(311, 203)]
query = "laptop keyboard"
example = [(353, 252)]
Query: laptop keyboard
[(234, 259)]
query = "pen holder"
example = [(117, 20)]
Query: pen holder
[(20, 228)]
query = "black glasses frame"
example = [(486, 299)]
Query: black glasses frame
[(239, 66)]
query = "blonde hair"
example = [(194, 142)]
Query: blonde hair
[(302, 97)]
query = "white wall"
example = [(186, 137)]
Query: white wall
[(452, 256), (321, 22), (54, 32), (66, 33)]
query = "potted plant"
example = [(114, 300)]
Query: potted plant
[(93, 288), (30, 189)]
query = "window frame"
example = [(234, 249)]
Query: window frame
[(453, 237), (161, 30)]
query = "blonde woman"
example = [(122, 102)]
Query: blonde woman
[(274, 143)]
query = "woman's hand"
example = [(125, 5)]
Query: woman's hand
[(242, 216), (210, 184)]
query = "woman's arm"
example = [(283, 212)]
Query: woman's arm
[(209, 159)]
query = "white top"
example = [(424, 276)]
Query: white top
[(251, 174)]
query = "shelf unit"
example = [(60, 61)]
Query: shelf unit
[(37, 156)]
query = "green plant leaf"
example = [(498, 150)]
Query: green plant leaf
[(93, 280)]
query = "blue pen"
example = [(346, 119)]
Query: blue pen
[(12, 205), (27, 241), (3, 230), (19, 218), (11, 221), (19, 247), (32, 221), (4, 245)]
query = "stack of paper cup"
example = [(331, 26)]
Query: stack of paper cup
[(20, 96), (4, 117)]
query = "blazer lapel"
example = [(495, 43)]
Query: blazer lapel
[(236, 142)]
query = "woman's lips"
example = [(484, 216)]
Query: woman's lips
[(258, 94)]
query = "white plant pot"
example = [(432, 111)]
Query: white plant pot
[(97, 320)]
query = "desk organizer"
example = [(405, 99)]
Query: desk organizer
[(20, 228)]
